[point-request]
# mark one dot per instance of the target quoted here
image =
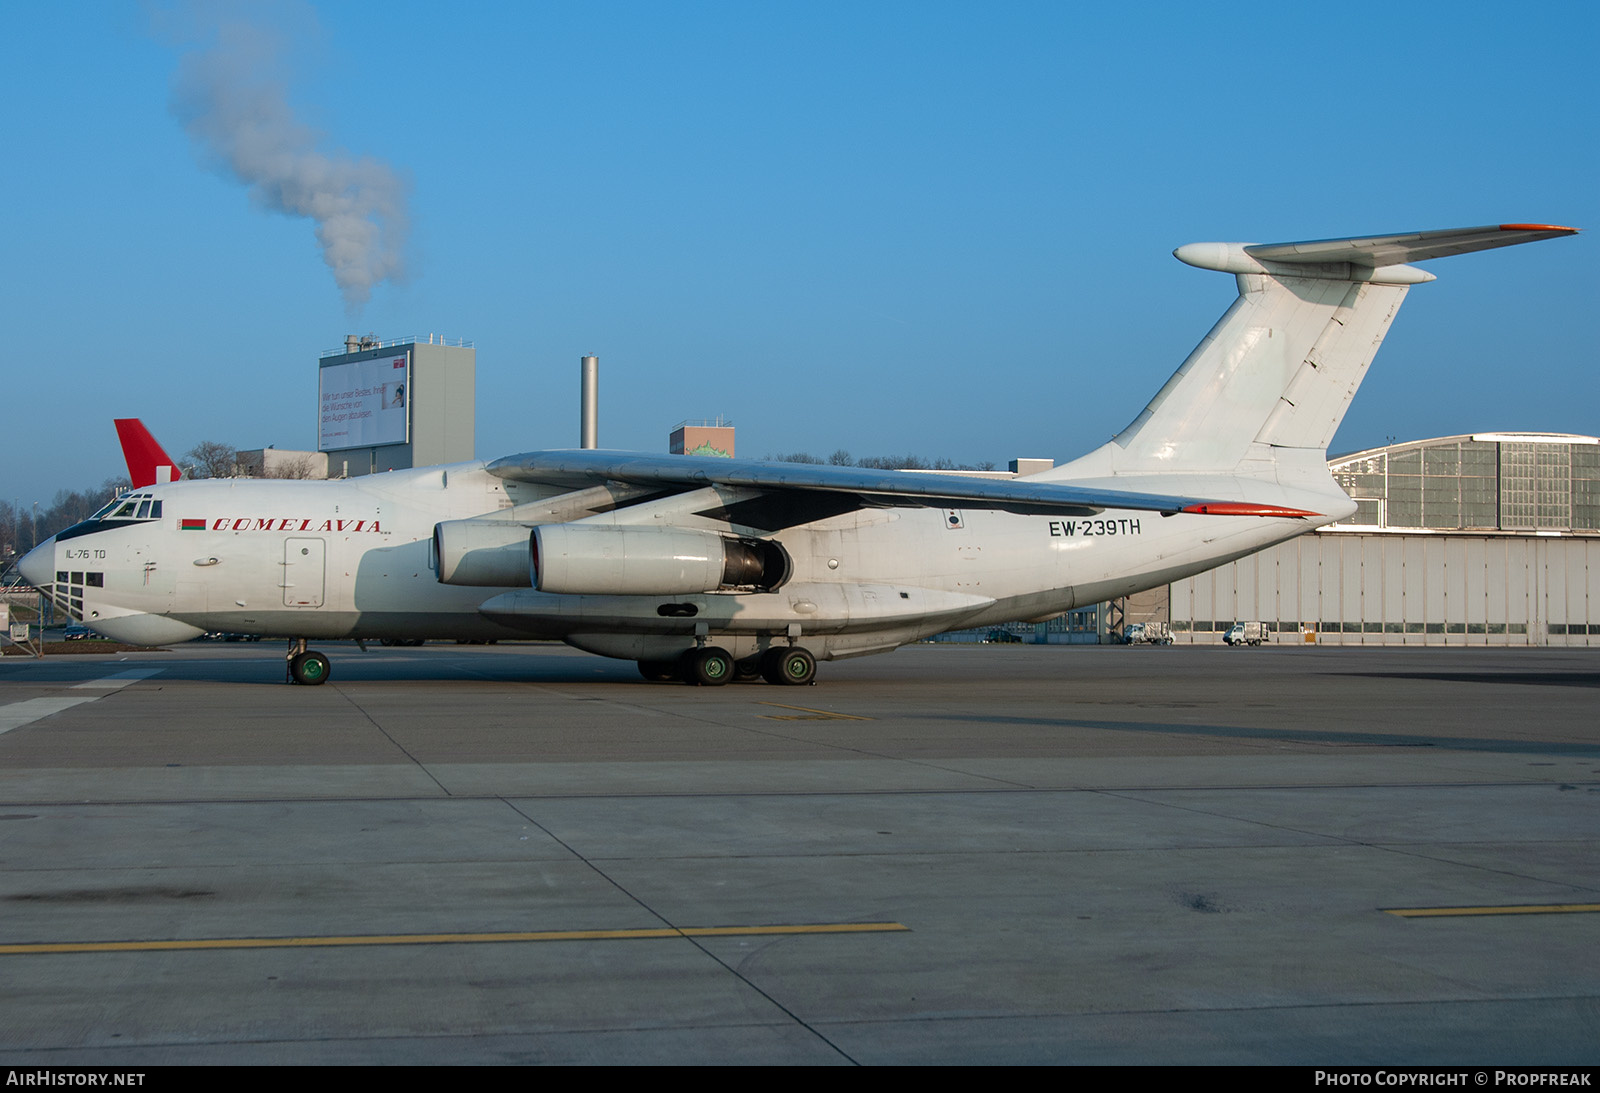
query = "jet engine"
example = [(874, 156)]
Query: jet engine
[(482, 553), (581, 559)]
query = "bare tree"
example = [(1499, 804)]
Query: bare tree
[(211, 459), (8, 529), (72, 506), (895, 462), (292, 468), (841, 458)]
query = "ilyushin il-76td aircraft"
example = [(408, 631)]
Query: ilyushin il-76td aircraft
[(709, 570)]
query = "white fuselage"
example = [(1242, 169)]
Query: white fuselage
[(355, 559)]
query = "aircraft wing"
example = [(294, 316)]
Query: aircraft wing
[(587, 467)]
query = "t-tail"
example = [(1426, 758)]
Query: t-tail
[(1263, 394), (148, 462)]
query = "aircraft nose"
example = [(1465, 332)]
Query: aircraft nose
[(38, 566)]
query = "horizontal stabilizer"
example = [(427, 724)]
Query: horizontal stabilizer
[(1391, 250)]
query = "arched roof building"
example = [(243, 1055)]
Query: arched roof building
[(1519, 482)]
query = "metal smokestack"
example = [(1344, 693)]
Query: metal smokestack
[(589, 408)]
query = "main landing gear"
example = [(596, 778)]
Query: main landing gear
[(790, 664), (306, 665), (711, 666)]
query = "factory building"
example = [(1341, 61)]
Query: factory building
[(392, 405), (712, 436)]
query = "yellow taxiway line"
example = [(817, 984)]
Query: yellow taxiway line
[(444, 939), (1513, 909)]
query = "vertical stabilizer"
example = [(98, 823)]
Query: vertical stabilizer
[(1270, 384), (148, 462), (1280, 332)]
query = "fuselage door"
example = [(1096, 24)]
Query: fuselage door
[(304, 565)]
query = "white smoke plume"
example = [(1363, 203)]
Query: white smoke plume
[(232, 98)]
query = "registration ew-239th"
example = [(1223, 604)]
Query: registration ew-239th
[(1066, 529)]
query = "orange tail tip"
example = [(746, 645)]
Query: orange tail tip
[(148, 462), (1538, 228), (1240, 508)]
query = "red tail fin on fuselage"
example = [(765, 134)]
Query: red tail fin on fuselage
[(148, 462)]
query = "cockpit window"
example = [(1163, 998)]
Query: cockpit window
[(139, 506), (125, 509)]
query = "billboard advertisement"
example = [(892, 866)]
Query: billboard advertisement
[(364, 404)]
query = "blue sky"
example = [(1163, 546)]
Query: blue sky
[(930, 227)]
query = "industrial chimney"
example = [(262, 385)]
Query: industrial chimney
[(589, 409)]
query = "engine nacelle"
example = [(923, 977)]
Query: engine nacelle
[(583, 559), (482, 553)]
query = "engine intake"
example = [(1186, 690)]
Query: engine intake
[(581, 559), (481, 553)]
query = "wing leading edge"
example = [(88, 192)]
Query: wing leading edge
[(588, 467)]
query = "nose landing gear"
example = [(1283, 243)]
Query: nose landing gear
[(306, 666)]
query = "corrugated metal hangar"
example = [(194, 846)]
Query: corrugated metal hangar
[(1487, 539)]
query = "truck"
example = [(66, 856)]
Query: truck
[(1147, 633), (1246, 633)]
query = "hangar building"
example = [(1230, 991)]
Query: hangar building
[(1485, 539)]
